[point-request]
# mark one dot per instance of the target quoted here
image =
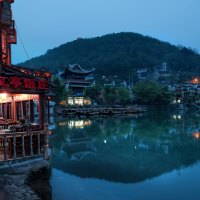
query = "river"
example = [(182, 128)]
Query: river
[(151, 156)]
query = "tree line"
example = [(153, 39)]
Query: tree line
[(151, 93), (121, 54)]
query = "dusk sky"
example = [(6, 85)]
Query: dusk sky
[(45, 24)]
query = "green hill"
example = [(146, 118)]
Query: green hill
[(120, 54)]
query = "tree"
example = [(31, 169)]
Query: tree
[(93, 92), (59, 89), (121, 54), (152, 93), (109, 94), (123, 95)]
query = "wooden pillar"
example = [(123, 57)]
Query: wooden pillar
[(14, 111), (5, 148), (42, 113), (31, 144), (9, 54), (29, 114), (46, 142), (22, 110), (38, 137), (14, 147), (13, 108), (23, 148)]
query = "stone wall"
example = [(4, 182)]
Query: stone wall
[(13, 187), (26, 182)]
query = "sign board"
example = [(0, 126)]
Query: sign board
[(25, 83)]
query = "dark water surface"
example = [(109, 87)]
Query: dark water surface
[(154, 156)]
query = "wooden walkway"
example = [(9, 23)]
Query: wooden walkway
[(100, 111)]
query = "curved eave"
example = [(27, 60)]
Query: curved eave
[(83, 72)]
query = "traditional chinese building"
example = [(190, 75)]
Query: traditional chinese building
[(187, 94), (76, 80), (23, 99), (162, 72)]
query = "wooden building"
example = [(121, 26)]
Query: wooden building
[(22, 112), (23, 100), (76, 80)]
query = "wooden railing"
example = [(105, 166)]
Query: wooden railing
[(18, 145)]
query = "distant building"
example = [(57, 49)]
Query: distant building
[(142, 74), (123, 84), (187, 93), (116, 84), (159, 73), (162, 71), (112, 84), (76, 79)]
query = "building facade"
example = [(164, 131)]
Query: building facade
[(23, 99), (76, 80)]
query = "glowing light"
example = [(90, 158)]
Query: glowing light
[(47, 74), (79, 123), (26, 96), (105, 141), (195, 80), (196, 135), (88, 123), (3, 96), (76, 123), (177, 116), (63, 124), (78, 101)]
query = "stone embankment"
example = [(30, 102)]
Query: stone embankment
[(14, 187), (16, 182)]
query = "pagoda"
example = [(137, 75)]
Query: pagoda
[(23, 100), (76, 80)]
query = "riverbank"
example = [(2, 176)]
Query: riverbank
[(16, 182), (14, 187)]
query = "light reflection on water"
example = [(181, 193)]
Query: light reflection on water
[(155, 155)]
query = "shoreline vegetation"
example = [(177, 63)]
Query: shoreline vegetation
[(122, 101), (143, 93)]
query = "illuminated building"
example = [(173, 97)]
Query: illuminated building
[(76, 80), (76, 124), (187, 93), (23, 128)]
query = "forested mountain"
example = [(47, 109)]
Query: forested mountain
[(120, 54)]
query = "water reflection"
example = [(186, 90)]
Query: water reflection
[(76, 123), (126, 149)]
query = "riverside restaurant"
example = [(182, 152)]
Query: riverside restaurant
[(23, 100)]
